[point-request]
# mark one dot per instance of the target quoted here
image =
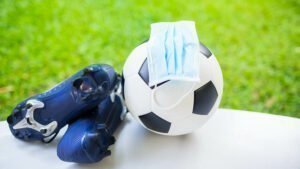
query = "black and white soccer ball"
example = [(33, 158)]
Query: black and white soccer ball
[(172, 107)]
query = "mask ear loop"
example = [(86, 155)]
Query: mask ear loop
[(153, 100)]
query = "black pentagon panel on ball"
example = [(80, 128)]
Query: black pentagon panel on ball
[(155, 123), (204, 50), (205, 98), (144, 73)]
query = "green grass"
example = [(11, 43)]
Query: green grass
[(256, 42)]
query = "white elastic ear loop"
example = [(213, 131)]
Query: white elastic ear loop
[(153, 100)]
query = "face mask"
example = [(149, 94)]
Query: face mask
[(173, 50)]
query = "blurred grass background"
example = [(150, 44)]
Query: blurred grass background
[(256, 42)]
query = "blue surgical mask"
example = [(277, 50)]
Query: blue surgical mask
[(173, 50)]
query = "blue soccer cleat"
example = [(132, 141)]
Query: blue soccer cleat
[(42, 116), (87, 139)]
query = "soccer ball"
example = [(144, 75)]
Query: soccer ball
[(172, 107)]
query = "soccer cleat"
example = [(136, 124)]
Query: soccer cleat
[(42, 116), (87, 140)]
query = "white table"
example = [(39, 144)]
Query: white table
[(231, 139)]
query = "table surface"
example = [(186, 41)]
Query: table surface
[(230, 139)]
